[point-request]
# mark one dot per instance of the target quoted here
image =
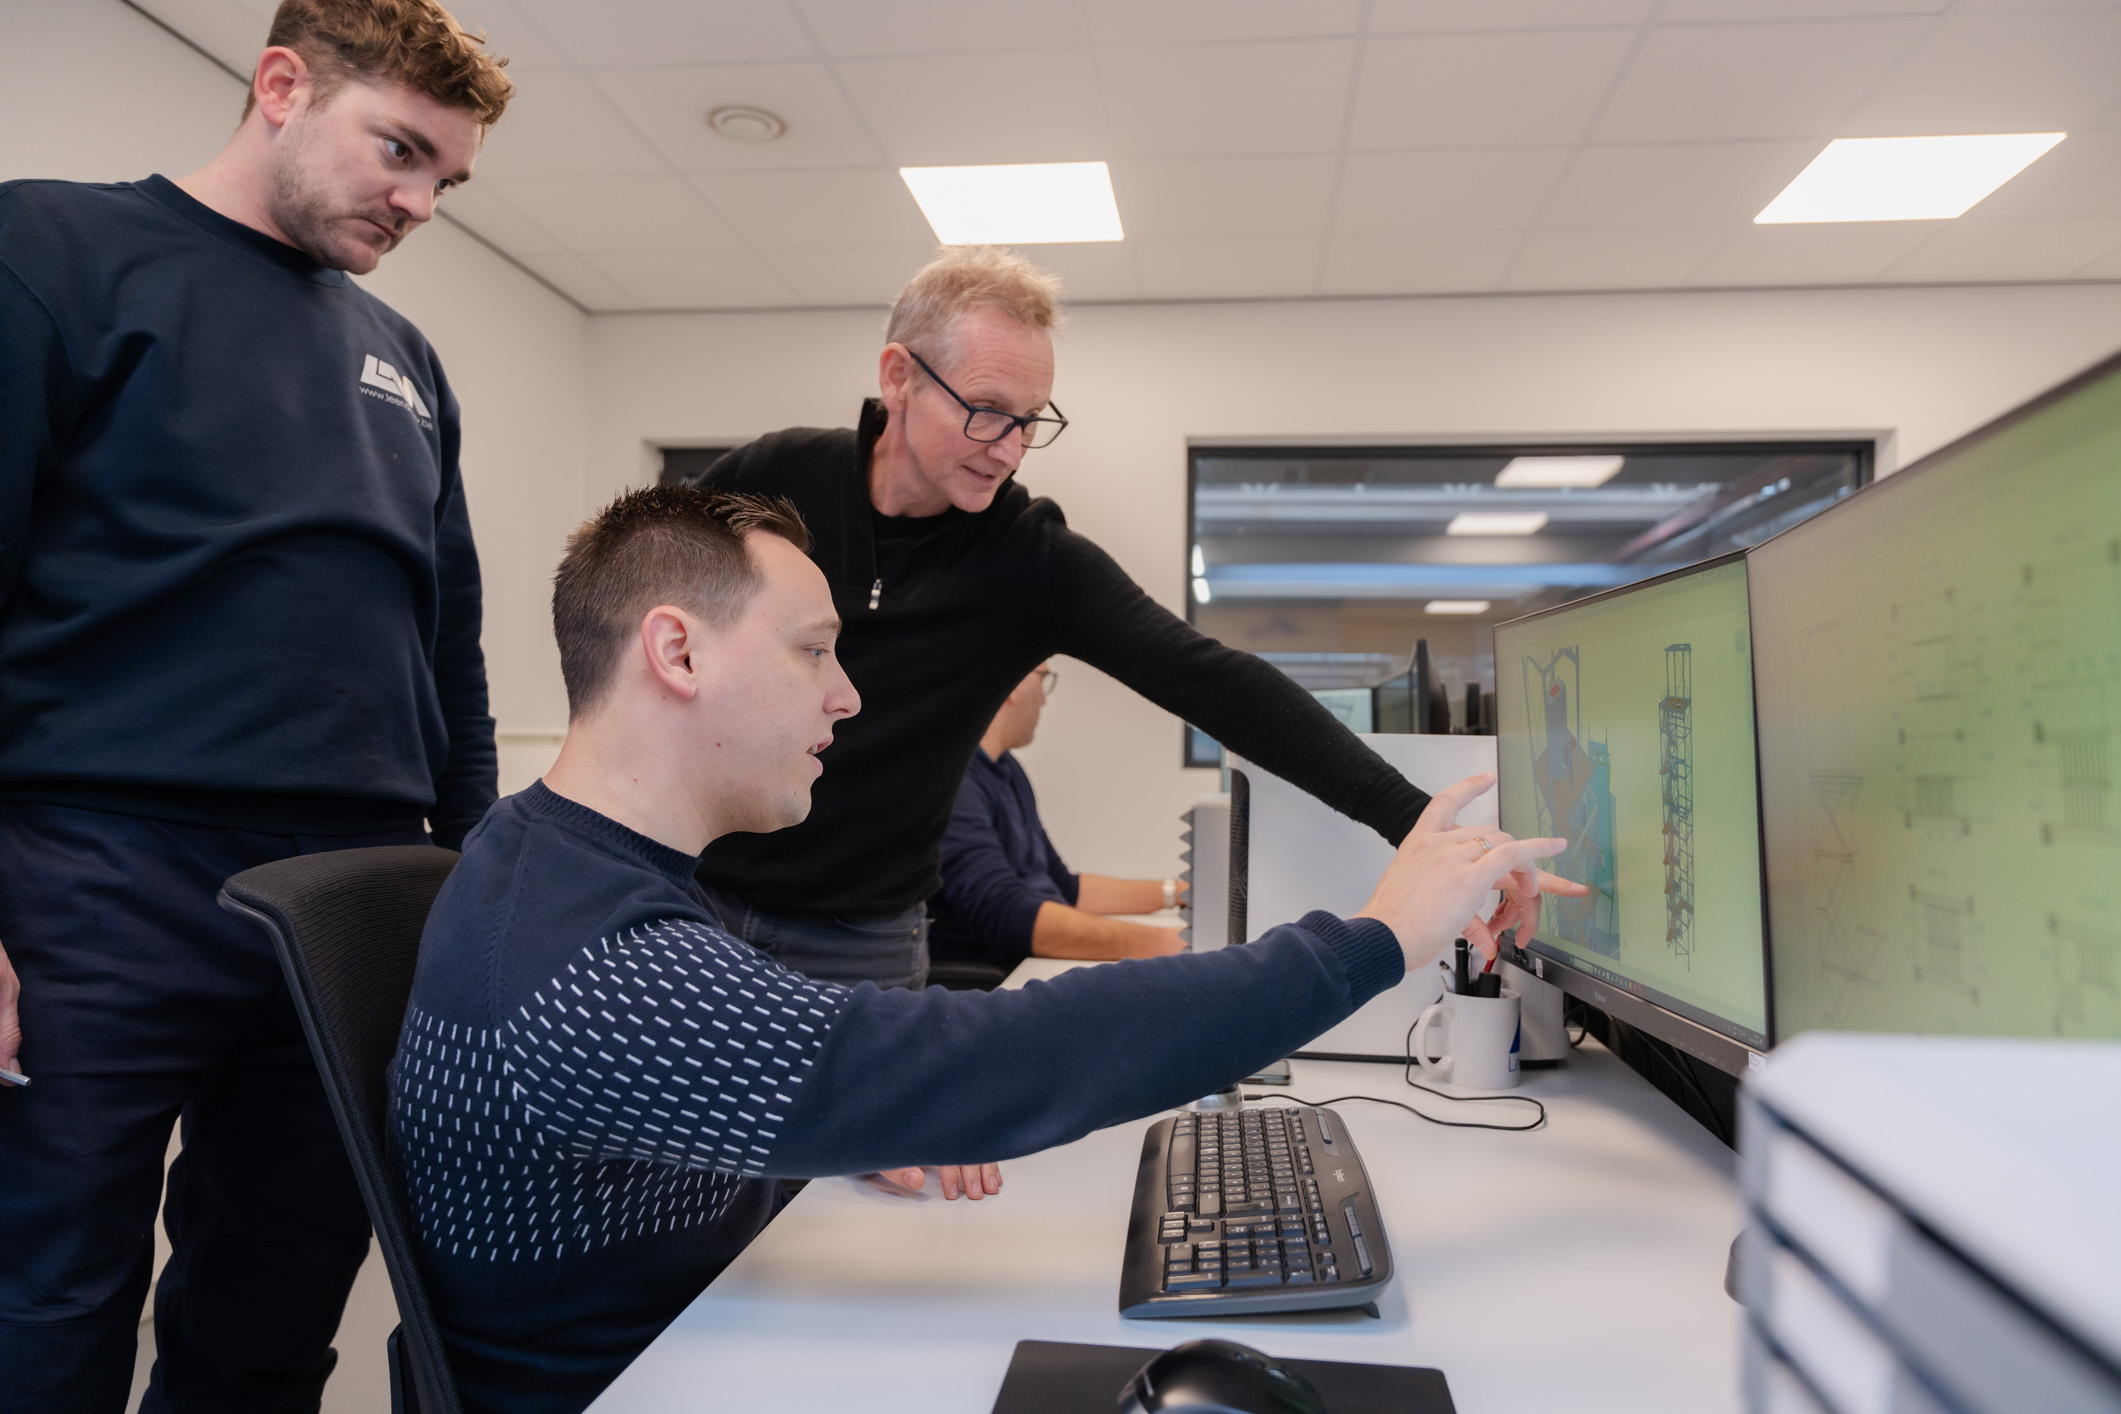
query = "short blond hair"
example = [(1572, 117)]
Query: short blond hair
[(926, 315)]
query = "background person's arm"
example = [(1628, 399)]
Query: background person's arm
[(1099, 893), (1061, 931)]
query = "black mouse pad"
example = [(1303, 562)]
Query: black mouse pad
[(1052, 1377)]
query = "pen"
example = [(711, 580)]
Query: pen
[(14, 1077), (1461, 975)]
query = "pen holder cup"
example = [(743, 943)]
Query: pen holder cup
[(1481, 1040)]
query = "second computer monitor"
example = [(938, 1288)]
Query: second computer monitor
[(1625, 725)]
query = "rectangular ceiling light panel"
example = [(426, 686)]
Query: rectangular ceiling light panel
[(1039, 203), (1903, 178), (1457, 606), (1496, 523), (1570, 473)]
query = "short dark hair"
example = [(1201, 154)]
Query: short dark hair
[(660, 545), (413, 42)]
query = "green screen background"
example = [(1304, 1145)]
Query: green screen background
[(1620, 643), (1940, 707)]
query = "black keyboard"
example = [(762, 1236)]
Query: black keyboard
[(1246, 1211)]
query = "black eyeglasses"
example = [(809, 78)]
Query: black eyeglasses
[(992, 424), (1047, 681)]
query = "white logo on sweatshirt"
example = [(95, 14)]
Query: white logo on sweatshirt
[(377, 374)]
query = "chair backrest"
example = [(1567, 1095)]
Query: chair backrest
[(347, 926)]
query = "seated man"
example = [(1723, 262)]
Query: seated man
[(1006, 894), (597, 1085)]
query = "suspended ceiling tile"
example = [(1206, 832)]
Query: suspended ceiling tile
[(2010, 248), (226, 29), (596, 215), (1726, 82), (696, 279), (1229, 269), (1657, 257), (1840, 253), (482, 208), (616, 32), (2042, 72), (1430, 16), (1493, 189), (855, 28), (1698, 11), (509, 32), (582, 282), (559, 125), (865, 275), (1092, 270), (670, 106), (1673, 184), (2106, 267), (1192, 21), (793, 210), (1025, 106), (1219, 198), (2079, 176), (1208, 100), (1484, 90), (1428, 262)]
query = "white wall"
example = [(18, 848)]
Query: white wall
[(92, 91), (1914, 366)]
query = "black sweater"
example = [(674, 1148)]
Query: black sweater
[(595, 1083), (968, 608), (237, 584)]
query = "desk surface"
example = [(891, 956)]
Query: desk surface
[(1576, 1267)]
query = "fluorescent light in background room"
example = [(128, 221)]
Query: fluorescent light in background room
[(1572, 473), (1038, 203), (1201, 593), (1200, 563), (1456, 606), (1903, 178), (1496, 523)]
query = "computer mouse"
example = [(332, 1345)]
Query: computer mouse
[(1217, 1377)]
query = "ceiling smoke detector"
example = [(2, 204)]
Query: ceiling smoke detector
[(746, 124)]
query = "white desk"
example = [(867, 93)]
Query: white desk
[(1578, 1267)]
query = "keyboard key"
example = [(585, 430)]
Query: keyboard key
[(1261, 1277), (1211, 1205), (1362, 1256), (1301, 1277), (1193, 1281)]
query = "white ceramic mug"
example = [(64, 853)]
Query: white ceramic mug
[(1482, 1040)]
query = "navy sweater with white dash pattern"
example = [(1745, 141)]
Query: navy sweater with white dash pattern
[(597, 1086)]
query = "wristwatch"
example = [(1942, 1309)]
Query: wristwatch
[(1170, 893)]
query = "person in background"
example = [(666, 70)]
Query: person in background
[(953, 581), (598, 1087), (240, 622), (1006, 894)]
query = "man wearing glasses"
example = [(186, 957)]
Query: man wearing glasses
[(953, 584)]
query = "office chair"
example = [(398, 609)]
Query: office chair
[(346, 926), (966, 976)]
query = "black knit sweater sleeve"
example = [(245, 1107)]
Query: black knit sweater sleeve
[(1104, 618)]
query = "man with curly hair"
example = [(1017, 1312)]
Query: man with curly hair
[(239, 621)]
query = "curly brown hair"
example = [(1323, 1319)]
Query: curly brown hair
[(413, 42)]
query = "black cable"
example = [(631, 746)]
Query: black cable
[(1686, 1075), (1446, 1123)]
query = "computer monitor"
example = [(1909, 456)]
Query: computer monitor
[(1938, 662), (1625, 725)]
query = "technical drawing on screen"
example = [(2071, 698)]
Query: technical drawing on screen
[(1626, 727), (1940, 707)]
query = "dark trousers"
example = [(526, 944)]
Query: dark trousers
[(143, 1003), (889, 949)]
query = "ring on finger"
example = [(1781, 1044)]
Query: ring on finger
[(1482, 840)]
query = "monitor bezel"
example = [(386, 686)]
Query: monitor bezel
[(1667, 1018)]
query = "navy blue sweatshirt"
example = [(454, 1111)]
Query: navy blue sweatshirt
[(237, 584), (999, 868), (596, 1083)]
